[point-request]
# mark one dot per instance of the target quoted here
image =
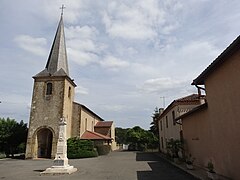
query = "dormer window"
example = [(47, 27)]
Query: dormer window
[(49, 89)]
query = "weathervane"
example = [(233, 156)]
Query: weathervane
[(62, 8)]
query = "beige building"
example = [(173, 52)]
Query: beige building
[(168, 128), (212, 130), (52, 99)]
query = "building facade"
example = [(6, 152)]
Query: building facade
[(168, 128), (211, 131), (53, 99)]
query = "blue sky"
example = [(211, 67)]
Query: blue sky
[(123, 55)]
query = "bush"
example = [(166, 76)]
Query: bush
[(2, 155), (21, 148), (77, 148), (83, 154), (103, 149)]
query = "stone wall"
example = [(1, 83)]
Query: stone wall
[(46, 110)]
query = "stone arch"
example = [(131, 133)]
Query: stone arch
[(44, 142)]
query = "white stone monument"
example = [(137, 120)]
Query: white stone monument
[(60, 163)]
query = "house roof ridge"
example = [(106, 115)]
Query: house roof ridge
[(101, 136), (218, 61), (179, 101)]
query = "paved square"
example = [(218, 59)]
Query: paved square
[(115, 166)]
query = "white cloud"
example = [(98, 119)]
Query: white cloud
[(84, 32), (113, 63), (128, 29), (160, 85), (81, 90), (31, 44), (81, 57), (113, 108), (140, 20), (82, 45)]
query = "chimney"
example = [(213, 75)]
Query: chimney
[(161, 111)]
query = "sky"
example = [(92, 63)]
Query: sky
[(126, 57)]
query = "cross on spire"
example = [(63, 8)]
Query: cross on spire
[(62, 8)]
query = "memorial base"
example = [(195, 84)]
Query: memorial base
[(58, 170)]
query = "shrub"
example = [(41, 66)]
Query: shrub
[(2, 155), (103, 149), (83, 154), (77, 148), (174, 146)]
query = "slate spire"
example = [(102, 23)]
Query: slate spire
[(57, 63)]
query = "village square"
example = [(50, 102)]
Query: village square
[(196, 136)]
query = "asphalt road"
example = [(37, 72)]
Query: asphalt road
[(115, 166)]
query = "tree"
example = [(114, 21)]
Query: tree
[(121, 135), (154, 124), (140, 139), (12, 135)]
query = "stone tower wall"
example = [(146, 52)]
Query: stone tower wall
[(46, 110), (76, 120), (68, 98)]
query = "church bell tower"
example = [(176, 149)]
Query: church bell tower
[(52, 99)]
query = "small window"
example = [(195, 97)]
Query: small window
[(85, 124), (162, 142), (173, 118), (69, 92), (166, 122), (161, 125), (49, 89)]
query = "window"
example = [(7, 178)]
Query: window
[(49, 89), (166, 122), (173, 118), (69, 92), (85, 124), (161, 125)]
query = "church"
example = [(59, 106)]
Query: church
[(53, 99)]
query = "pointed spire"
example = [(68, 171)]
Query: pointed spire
[(57, 59)]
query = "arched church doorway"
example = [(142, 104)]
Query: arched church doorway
[(44, 140)]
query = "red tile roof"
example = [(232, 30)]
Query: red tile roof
[(188, 100), (198, 108), (94, 136), (104, 124)]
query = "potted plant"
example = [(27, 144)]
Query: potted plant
[(174, 146), (189, 161), (211, 173)]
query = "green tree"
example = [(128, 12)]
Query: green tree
[(152, 140), (121, 135), (154, 124), (13, 136), (140, 139)]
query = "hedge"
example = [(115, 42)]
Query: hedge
[(77, 148)]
